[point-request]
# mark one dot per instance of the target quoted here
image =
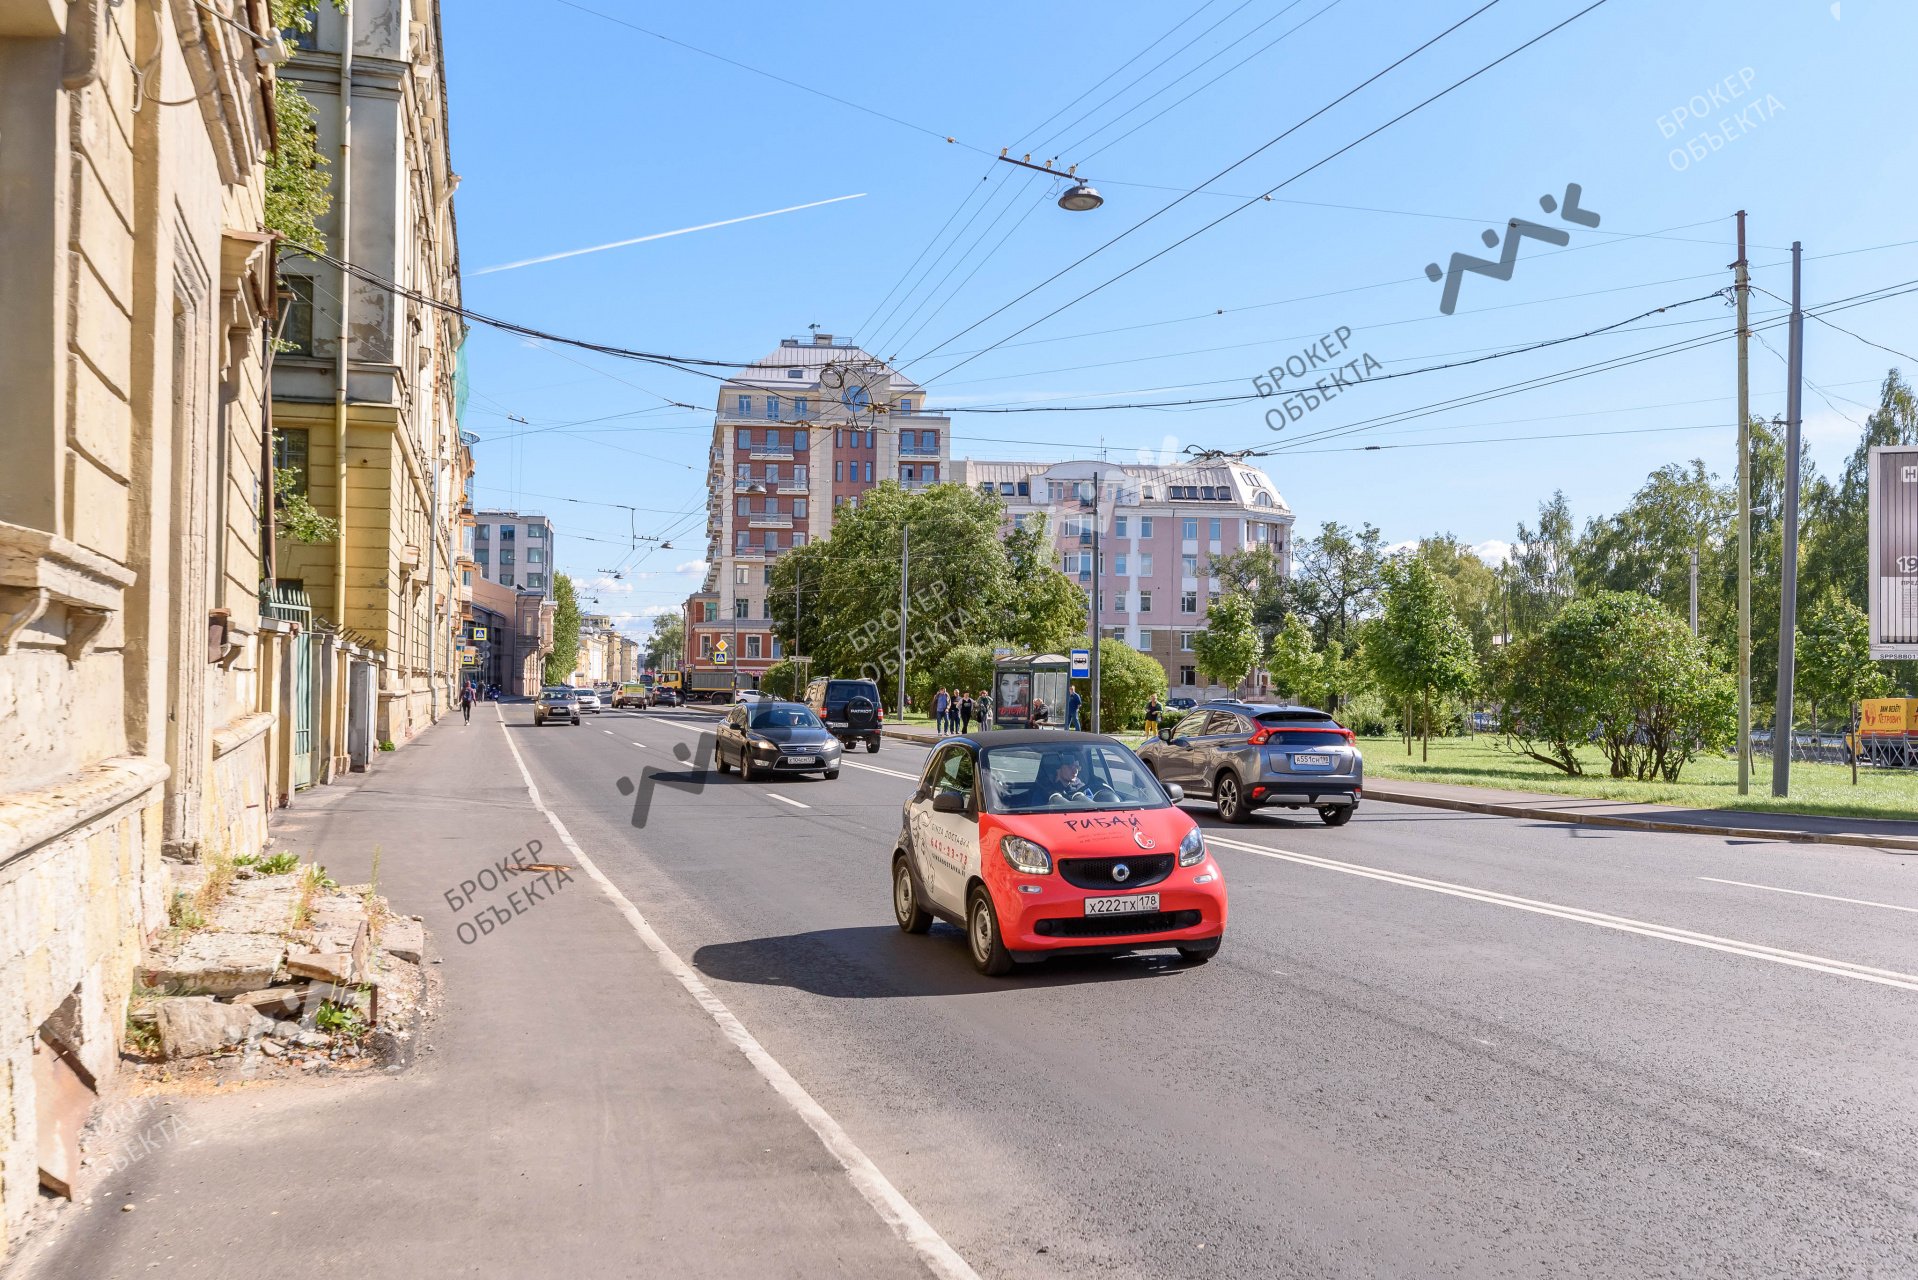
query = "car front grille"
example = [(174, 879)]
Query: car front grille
[(1096, 873), (1139, 923)]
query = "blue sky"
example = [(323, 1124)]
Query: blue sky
[(571, 131)]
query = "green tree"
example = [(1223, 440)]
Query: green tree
[(1229, 645), (1294, 665), (1834, 665), (781, 679), (1420, 650), (667, 645), (1044, 611), (298, 188), (564, 658), (1471, 585), (966, 667), (1336, 585), (1258, 573), (1126, 679), (1647, 546)]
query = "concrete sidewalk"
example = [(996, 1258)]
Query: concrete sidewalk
[(1874, 833), (573, 1111)]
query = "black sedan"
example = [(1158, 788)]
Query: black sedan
[(775, 737)]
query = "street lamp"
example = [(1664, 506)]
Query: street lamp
[(1078, 198)]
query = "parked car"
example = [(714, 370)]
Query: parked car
[(1182, 703), (1039, 842), (850, 708), (556, 704), (768, 736), (633, 694), (752, 695), (1246, 755), (588, 700)]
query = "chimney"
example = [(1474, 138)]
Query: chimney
[(822, 339)]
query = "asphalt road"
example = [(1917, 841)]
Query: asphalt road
[(1434, 1044)]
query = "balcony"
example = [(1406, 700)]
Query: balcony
[(794, 487), (920, 451), (748, 553), (760, 520), (771, 455)]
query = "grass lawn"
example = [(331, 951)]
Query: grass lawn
[(1708, 783)]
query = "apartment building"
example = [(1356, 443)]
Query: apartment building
[(797, 436), (514, 549), (1159, 526)]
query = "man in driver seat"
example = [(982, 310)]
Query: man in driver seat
[(1062, 781)]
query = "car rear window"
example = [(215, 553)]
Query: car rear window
[(1302, 729), (849, 689)]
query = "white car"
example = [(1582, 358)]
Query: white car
[(752, 695), (588, 700)]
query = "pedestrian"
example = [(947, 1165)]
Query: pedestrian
[(940, 701), (1038, 711), (984, 705), (1152, 713), (1072, 710), (466, 701), (966, 708)]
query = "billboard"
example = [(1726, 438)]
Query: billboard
[(1893, 559)]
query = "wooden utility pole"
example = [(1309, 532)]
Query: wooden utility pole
[(1743, 289)]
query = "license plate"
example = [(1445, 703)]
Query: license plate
[(1122, 906), (1311, 758), (802, 759)]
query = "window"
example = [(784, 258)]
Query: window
[(905, 473), (906, 444), (744, 574), (778, 650), (772, 473), (1019, 521), (505, 578), (535, 556), (1005, 489), (1118, 566), (1189, 566), (710, 610), (506, 558), (1025, 488), (536, 581), (483, 531), (1145, 564), (835, 473), (929, 441), (536, 531), (795, 373), (771, 542), (772, 438), (985, 487), (1188, 675), (481, 557), (752, 646), (772, 407), (743, 472), (1145, 602), (289, 454), (1145, 525), (869, 473), (1055, 491), (799, 475), (799, 508), (745, 437), (1189, 529), (905, 406), (1186, 639), (802, 407), (743, 539), (799, 537), (743, 508), (1118, 529), (745, 407), (742, 607), (1188, 602), (298, 302), (838, 438), (1216, 530), (706, 645), (802, 440)]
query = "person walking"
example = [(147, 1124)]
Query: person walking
[(1072, 710), (966, 708), (984, 705), (940, 702), (466, 701), (1152, 713)]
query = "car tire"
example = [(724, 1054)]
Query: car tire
[(831, 774), (983, 941), (1336, 815), (719, 758), (872, 746), (912, 917), (1229, 798), (746, 773), (575, 720), (1199, 952)]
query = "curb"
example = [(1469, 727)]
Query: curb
[(1887, 844)]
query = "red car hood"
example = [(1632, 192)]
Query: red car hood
[(1106, 833)]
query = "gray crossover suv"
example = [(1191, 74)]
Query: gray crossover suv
[(1244, 755)]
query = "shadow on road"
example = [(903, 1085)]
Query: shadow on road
[(879, 962)]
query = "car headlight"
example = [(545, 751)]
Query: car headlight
[(1192, 848), (762, 744), (1024, 855)]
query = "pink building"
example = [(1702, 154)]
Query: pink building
[(1158, 528)]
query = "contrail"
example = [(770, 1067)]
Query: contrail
[(661, 235)]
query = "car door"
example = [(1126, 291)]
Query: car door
[(1212, 751), (945, 846), (1179, 763), (731, 743)]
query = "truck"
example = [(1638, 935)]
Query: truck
[(1887, 732), (716, 685)]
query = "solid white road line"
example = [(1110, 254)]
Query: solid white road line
[(1623, 924), (1805, 893), (773, 795), (639, 744), (897, 1212), (873, 768)]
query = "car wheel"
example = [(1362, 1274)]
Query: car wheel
[(719, 758), (989, 954), (1199, 952), (1336, 815), (746, 773), (831, 774), (1225, 793), (575, 719), (872, 746), (912, 917)]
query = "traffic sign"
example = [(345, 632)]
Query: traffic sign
[(479, 633), (1081, 663)]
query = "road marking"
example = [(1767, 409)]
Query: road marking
[(893, 1208), (783, 800), (640, 745), (1805, 893), (607, 732), (1623, 924), (873, 768)]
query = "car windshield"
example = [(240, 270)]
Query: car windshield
[(787, 717), (1066, 778), (557, 697)]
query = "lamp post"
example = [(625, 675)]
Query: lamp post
[(1080, 197)]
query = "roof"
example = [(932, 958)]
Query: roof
[(1028, 737), (769, 371)]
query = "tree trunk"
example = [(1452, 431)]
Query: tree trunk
[(1425, 725)]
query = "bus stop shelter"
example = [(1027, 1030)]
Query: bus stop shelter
[(1029, 691)]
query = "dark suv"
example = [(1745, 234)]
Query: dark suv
[(849, 709), (1245, 755)]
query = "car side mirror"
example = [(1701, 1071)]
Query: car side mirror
[(949, 802), (1174, 792), (1165, 734)]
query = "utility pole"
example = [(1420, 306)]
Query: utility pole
[(1781, 735), (1743, 289), (905, 577), (1093, 719), (1695, 593)]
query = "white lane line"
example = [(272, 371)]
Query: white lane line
[(607, 732), (1805, 893), (893, 1208), (773, 795), (640, 745), (873, 768), (1624, 924)]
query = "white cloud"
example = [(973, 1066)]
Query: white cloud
[(690, 566), (605, 585), (1494, 551)]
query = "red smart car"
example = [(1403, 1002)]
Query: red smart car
[(1040, 843)]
